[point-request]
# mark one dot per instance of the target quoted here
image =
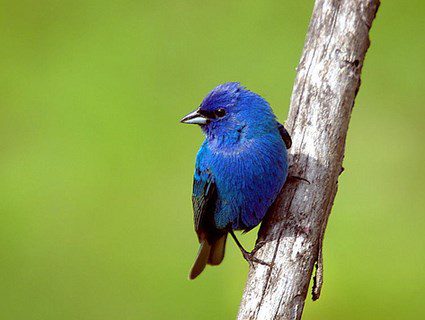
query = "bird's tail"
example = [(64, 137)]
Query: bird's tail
[(212, 254), (217, 251)]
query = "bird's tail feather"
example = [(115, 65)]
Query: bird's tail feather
[(201, 259), (217, 251), (212, 254)]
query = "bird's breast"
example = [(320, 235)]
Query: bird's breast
[(248, 180)]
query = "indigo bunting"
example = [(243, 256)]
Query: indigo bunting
[(240, 168)]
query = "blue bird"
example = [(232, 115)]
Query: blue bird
[(240, 168)]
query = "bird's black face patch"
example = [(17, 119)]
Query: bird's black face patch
[(213, 114), (207, 114)]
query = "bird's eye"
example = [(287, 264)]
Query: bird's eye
[(220, 112)]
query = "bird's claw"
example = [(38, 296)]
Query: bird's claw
[(300, 179), (249, 257), (258, 246)]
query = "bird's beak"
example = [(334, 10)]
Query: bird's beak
[(194, 118)]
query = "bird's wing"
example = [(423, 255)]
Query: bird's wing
[(212, 241), (285, 135), (204, 199)]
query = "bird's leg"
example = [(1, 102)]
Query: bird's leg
[(248, 256)]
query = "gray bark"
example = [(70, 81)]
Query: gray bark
[(327, 81)]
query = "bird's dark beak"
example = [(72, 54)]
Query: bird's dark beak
[(194, 118)]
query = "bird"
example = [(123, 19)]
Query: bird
[(240, 168)]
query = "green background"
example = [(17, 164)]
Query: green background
[(96, 171)]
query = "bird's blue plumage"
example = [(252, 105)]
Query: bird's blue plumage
[(242, 164)]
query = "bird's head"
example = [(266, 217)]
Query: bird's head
[(229, 107)]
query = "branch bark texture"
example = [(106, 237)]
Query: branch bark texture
[(327, 81)]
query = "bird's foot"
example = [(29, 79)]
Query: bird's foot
[(300, 179), (249, 257), (258, 246)]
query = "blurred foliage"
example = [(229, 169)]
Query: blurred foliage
[(96, 171)]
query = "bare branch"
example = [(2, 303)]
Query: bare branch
[(328, 79)]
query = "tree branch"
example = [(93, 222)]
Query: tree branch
[(327, 81)]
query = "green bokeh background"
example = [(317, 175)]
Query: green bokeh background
[(96, 171)]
